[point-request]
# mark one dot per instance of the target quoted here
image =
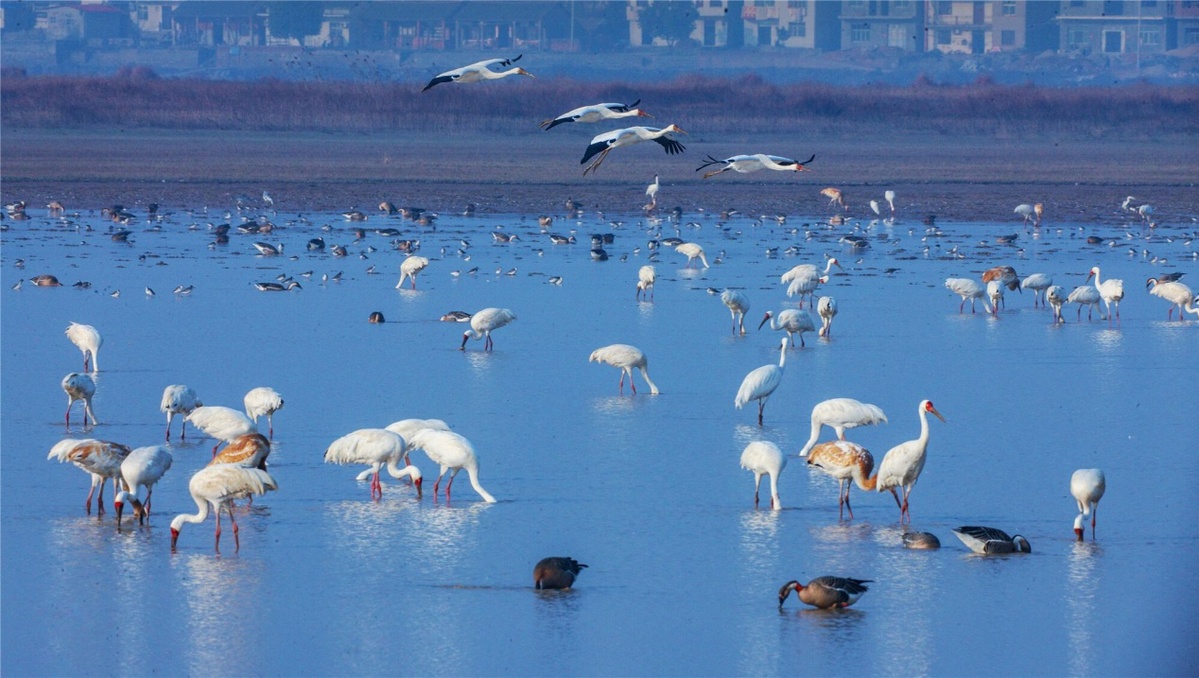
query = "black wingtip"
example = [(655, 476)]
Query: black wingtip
[(809, 159)]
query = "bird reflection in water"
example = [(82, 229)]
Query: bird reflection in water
[(1080, 606), (913, 577), (221, 593)]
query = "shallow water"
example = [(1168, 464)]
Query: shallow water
[(647, 490)]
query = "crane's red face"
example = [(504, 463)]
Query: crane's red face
[(1078, 533), (417, 483), (643, 114), (174, 537), (932, 410), (801, 168)]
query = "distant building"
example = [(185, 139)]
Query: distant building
[(809, 24), (96, 24), (1115, 27), (994, 26), (882, 23), (404, 25), (200, 23)]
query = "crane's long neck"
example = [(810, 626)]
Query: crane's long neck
[(922, 441), (1189, 307), (1098, 285), (653, 388), (811, 439), (783, 356), (200, 516), (489, 74), (472, 472), (398, 472), (774, 492), (828, 266), (867, 483)]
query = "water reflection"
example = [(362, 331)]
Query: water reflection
[(645, 311), (617, 404), (223, 602), (135, 556), (760, 558), (913, 577), (1108, 340), (1080, 607), (409, 295)]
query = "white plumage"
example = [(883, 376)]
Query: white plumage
[(692, 251), (625, 358), (762, 457), (477, 72), (450, 451), (484, 322), (596, 113), (218, 486), (89, 341), (1084, 295), (82, 387), (1087, 485), (602, 144), (646, 276), (995, 295), (754, 162), (1055, 296), (967, 289), (409, 267), (803, 279), (98, 458), (738, 305), (826, 307), (373, 447), (840, 414), (221, 423), (1179, 295), (902, 464), (792, 321), (761, 382), (263, 401), (143, 467), (178, 399), (1038, 282), (1110, 290)]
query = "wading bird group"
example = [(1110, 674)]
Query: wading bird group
[(240, 470)]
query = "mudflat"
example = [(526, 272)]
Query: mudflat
[(962, 177)]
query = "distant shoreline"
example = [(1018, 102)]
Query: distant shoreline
[(960, 178)]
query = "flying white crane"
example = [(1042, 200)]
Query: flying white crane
[(478, 72), (596, 113), (752, 163), (602, 144)]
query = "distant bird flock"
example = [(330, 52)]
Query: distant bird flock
[(240, 471)]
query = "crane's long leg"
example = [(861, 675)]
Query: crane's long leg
[(88, 504), (847, 488), (761, 406), (757, 484), (270, 425), (450, 484), (236, 540), (218, 528)]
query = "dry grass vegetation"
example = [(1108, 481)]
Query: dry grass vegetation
[(745, 105)]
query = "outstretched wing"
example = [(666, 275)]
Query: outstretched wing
[(601, 143), (440, 79), (621, 108), (672, 147), (595, 148), (710, 161)]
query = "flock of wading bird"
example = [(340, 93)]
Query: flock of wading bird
[(239, 470)]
